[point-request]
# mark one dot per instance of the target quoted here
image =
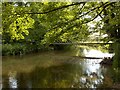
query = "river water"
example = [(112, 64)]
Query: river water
[(57, 69)]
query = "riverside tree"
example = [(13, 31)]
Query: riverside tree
[(48, 22)]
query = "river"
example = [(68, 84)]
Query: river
[(57, 69)]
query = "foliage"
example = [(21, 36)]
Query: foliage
[(15, 27), (16, 49), (22, 49), (116, 63), (44, 23), (111, 17), (18, 23)]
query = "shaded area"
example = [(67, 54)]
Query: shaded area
[(53, 77), (59, 70), (81, 74)]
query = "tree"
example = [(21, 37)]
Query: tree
[(49, 22), (15, 27), (69, 20), (111, 17)]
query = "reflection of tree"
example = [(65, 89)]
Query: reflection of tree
[(57, 76), (5, 81), (63, 76), (111, 77), (92, 75), (10, 81), (66, 76), (23, 80)]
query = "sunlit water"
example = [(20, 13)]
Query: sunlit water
[(55, 70), (96, 53), (92, 69)]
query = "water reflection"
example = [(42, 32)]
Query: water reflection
[(12, 80), (64, 76), (92, 71), (72, 73), (0, 84), (53, 77), (92, 74), (96, 53)]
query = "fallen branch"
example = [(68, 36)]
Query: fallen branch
[(87, 57)]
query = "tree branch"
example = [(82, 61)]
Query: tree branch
[(99, 14), (64, 23), (62, 7), (59, 24), (95, 16)]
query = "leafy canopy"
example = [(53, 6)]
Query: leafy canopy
[(49, 22)]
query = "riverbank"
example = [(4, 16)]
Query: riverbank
[(25, 48), (21, 49)]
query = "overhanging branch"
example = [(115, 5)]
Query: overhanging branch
[(99, 14), (64, 23), (62, 7)]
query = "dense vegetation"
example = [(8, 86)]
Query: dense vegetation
[(33, 26)]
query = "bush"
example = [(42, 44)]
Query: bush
[(13, 49), (21, 49)]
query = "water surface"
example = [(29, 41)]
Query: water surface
[(56, 69)]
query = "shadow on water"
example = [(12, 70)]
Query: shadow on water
[(71, 73), (53, 77), (77, 75)]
